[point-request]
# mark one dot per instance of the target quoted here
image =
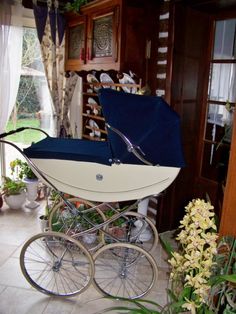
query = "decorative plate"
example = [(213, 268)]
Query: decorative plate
[(105, 78), (94, 126), (92, 101), (126, 79), (92, 79), (94, 106)]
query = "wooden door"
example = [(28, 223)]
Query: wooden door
[(209, 150), (228, 214), (217, 145)]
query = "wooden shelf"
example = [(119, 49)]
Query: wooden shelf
[(87, 137), (95, 129), (93, 117), (91, 106), (90, 94), (98, 84)]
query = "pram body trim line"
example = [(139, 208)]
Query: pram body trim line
[(120, 182)]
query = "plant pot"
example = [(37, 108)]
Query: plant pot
[(15, 201), (89, 238), (32, 192), (117, 232), (43, 220)]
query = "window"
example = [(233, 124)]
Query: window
[(33, 106)]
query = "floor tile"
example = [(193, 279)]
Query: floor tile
[(20, 301), (2, 288), (7, 250), (18, 297), (91, 305), (11, 275), (60, 305), (16, 235)]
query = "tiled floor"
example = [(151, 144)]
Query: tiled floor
[(18, 297)]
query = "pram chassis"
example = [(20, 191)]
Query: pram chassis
[(130, 258)]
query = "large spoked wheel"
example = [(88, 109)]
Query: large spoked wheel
[(73, 223), (56, 264), (133, 228), (124, 270)]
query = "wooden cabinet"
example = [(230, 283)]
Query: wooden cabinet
[(109, 34), (75, 42), (93, 122), (102, 44)]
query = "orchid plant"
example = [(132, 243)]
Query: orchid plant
[(203, 269), (194, 279), (192, 264)]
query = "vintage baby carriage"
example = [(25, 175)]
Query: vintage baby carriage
[(142, 157)]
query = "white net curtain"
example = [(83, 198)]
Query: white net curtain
[(50, 25)]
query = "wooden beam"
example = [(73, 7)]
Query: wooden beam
[(228, 217)]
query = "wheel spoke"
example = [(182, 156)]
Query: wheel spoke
[(118, 268), (56, 264)]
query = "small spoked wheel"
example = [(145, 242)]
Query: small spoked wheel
[(124, 270), (56, 264), (134, 228), (75, 222)]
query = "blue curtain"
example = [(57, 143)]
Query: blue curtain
[(57, 21)]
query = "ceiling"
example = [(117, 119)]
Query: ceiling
[(210, 6)]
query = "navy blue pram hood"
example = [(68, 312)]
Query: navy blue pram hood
[(147, 121)]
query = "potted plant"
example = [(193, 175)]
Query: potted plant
[(23, 171), (91, 236), (117, 228), (14, 192), (52, 198), (75, 5)]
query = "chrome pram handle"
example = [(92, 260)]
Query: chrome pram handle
[(134, 149), (20, 130)]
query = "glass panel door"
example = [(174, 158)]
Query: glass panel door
[(220, 103)]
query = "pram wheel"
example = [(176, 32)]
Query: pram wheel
[(133, 228), (73, 221), (56, 264), (124, 270)]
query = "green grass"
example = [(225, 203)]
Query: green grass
[(27, 136)]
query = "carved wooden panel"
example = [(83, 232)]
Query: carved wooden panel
[(76, 41), (102, 37)]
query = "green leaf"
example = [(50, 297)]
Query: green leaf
[(140, 307), (149, 302), (206, 310), (128, 310), (172, 295), (234, 268), (177, 306), (230, 278), (227, 311), (186, 293), (221, 278), (166, 246)]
